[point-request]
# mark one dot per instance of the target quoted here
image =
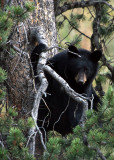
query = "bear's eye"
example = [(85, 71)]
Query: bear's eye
[(87, 71)]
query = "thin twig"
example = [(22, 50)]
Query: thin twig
[(76, 27), (61, 114)]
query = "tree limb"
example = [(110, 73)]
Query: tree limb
[(81, 4), (77, 97), (95, 40), (99, 153), (74, 27), (40, 91)]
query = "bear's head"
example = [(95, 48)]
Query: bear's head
[(77, 66), (82, 66)]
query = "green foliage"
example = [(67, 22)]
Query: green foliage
[(17, 13), (101, 78), (3, 76), (54, 151), (29, 6), (79, 17), (106, 31), (60, 24), (12, 128), (68, 24), (62, 2), (75, 150), (106, 28), (77, 40), (10, 17), (13, 131), (74, 20), (98, 131), (12, 112), (3, 154), (30, 122)]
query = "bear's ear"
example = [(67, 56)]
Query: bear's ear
[(72, 50), (96, 55)]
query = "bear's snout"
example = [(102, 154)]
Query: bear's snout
[(81, 78)]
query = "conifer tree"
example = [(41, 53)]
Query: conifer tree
[(13, 130), (95, 139)]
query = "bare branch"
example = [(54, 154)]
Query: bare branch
[(61, 114), (76, 96), (62, 49), (66, 36), (79, 99), (99, 153), (28, 56), (108, 5), (41, 90), (74, 27)]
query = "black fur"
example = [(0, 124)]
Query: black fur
[(67, 65)]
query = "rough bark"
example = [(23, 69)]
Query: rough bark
[(20, 81), (22, 92)]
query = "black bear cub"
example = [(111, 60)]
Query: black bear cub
[(57, 110)]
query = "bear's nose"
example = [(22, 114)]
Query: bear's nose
[(80, 82), (81, 78)]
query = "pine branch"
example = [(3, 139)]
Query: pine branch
[(95, 39), (81, 4), (107, 64), (99, 153), (76, 96), (1, 144)]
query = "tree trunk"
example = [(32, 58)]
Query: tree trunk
[(20, 82)]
